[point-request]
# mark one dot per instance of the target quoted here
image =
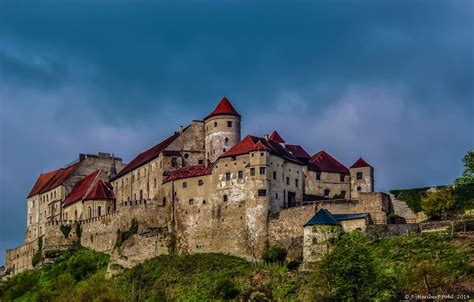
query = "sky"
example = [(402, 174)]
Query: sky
[(392, 81)]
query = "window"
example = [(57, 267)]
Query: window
[(203, 202), (200, 162), (318, 175), (226, 139), (108, 210), (343, 194), (229, 123), (262, 154), (224, 150), (186, 155), (164, 201), (98, 211), (227, 176), (252, 171), (174, 162), (287, 180), (297, 182), (141, 194), (359, 189), (276, 195), (341, 177), (262, 192), (185, 184), (262, 170), (215, 124), (240, 174), (359, 175), (133, 178), (326, 193), (191, 202), (138, 174), (154, 183), (200, 182), (274, 175), (225, 198)]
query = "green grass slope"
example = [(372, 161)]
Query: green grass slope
[(356, 270)]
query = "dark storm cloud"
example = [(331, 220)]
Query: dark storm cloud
[(391, 81)]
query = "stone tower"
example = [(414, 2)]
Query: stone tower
[(222, 128), (362, 178)]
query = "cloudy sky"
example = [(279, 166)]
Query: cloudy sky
[(392, 82)]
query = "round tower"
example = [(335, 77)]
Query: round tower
[(222, 129)]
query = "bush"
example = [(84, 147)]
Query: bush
[(65, 229), (225, 289), (274, 254)]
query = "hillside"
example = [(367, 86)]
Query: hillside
[(382, 270)]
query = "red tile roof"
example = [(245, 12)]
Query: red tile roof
[(81, 188), (41, 182), (100, 190), (360, 163), (60, 177), (324, 162), (187, 172), (223, 108), (275, 136), (252, 143), (298, 151), (146, 156)]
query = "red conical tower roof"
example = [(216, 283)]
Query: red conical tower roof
[(223, 108), (275, 136), (360, 163)]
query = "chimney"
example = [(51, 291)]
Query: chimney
[(266, 137), (180, 129)]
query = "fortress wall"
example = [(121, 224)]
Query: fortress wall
[(100, 233), (377, 204), (286, 229), (19, 259), (54, 238)]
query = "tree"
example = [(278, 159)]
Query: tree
[(439, 202), (348, 272), (467, 176), (464, 185)]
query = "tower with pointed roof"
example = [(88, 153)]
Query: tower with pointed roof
[(222, 130), (362, 178)]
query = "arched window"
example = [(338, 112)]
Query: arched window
[(75, 215), (90, 212), (98, 211)]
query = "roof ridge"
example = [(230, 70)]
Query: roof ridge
[(92, 183)]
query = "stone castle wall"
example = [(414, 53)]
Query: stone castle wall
[(100, 233), (286, 229), (19, 259)]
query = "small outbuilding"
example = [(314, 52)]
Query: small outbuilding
[(323, 230)]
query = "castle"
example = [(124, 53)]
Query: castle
[(202, 189)]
